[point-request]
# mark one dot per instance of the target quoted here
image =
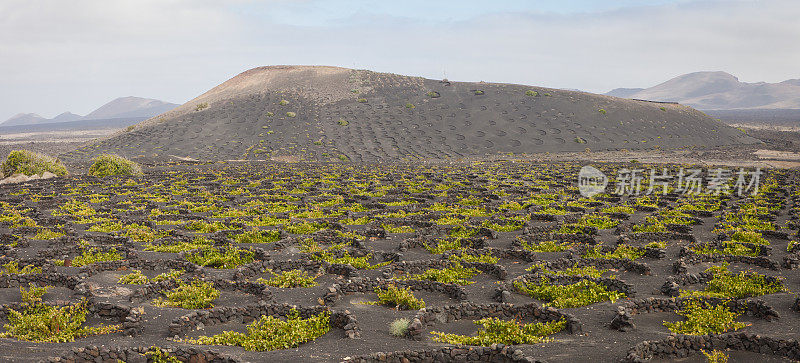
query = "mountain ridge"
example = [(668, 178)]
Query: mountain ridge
[(121, 107), (717, 90)]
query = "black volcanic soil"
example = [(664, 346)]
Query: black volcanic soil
[(205, 192), (328, 113)]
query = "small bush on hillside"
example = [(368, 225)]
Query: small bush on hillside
[(400, 298), (214, 258), (201, 106), (94, 255), (531, 93), (256, 236), (12, 268), (39, 322), (290, 279), (740, 285), (701, 320), (291, 114), (497, 331), (107, 164), (399, 327), (456, 274), (715, 356), (195, 295), (31, 163), (581, 293), (271, 333)]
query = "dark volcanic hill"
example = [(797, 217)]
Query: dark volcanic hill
[(331, 113)]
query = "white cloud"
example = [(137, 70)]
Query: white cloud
[(79, 54)]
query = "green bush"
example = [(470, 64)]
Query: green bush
[(31, 163), (702, 321), (157, 355), (94, 255), (399, 327), (39, 322), (290, 279), (271, 333), (589, 271), (134, 278), (138, 278), (728, 248), (108, 164), (212, 257), (715, 356), (725, 284), (531, 93), (180, 246), (455, 274), (509, 332), (201, 106), (621, 252), (256, 236), (581, 293), (399, 298), (546, 246), (12, 268), (484, 258), (195, 295)]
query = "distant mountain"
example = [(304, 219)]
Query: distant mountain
[(124, 107), (66, 117), (719, 91), (24, 119), (624, 92), (121, 108)]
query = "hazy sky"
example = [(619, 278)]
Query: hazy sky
[(59, 55)]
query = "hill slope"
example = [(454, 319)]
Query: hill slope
[(719, 91), (331, 113)]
